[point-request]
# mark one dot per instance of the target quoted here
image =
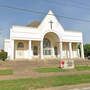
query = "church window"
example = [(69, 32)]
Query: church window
[(20, 45), (35, 50), (47, 47), (46, 43)]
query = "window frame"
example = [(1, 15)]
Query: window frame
[(46, 47)]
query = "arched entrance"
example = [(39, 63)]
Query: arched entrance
[(50, 45)]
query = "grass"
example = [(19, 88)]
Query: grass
[(81, 68), (42, 82), (56, 69), (6, 72), (49, 69)]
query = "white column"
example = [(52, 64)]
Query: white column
[(30, 50), (53, 54), (41, 49), (78, 52), (58, 50), (61, 50), (70, 50), (82, 51), (12, 53)]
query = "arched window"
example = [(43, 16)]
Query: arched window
[(46, 47), (20, 45), (46, 43)]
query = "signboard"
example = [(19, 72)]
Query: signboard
[(68, 64)]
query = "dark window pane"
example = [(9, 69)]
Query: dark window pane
[(20, 45), (35, 50)]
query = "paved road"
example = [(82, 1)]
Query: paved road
[(69, 87)]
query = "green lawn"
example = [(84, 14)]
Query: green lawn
[(49, 69), (42, 82), (81, 68), (6, 72), (56, 69)]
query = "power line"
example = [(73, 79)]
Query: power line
[(80, 3), (21, 9), (43, 13), (80, 6)]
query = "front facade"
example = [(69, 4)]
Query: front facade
[(48, 40)]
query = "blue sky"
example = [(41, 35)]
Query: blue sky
[(68, 8)]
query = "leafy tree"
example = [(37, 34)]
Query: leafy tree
[(87, 50), (3, 55)]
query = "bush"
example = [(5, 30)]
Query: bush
[(87, 50), (3, 55)]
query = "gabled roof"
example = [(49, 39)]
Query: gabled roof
[(46, 23)]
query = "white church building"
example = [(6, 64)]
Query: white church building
[(47, 40)]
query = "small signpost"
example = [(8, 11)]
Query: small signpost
[(67, 64)]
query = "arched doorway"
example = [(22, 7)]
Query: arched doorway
[(21, 49), (50, 45)]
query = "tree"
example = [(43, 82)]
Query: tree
[(3, 55), (87, 50)]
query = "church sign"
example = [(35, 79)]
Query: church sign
[(68, 64)]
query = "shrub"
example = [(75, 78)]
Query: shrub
[(87, 50), (3, 55)]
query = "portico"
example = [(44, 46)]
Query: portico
[(47, 48)]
